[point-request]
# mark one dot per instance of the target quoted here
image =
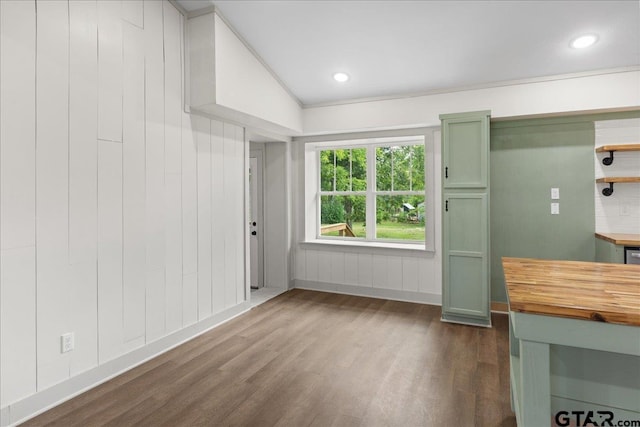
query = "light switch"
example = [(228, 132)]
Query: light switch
[(555, 208), (555, 193)]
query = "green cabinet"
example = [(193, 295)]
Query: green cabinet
[(465, 218), (609, 252)]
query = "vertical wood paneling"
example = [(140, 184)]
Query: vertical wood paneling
[(229, 214), (172, 90), (189, 223), (110, 327), (300, 264), (430, 280), (324, 266), (189, 299), (83, 181), (394, 272), (17, 201), (154, 305), (52, 195), (337, 267), (18, 368), (133, 12), (133, 189), (173, 167), (311, 265), (109, 70), (239, 203), (379, 271), (424, 278), (173, 250), (410, 274), (218, 227), (17, 129), (132, 211), (203, 143), (364, 269), (351, 268), (154, 144)]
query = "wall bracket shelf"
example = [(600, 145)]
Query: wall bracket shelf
[(607, 191), (607, 161)]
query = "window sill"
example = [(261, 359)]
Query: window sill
[(383, 248)]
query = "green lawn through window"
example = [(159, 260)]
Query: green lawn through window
[(389, 230)]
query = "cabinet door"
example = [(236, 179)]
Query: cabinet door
[(465, 273), (465, 150), (609, 252)]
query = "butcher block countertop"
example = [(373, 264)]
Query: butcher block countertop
[(624, 239), (580, 290)]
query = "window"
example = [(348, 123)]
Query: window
[(371, 190)]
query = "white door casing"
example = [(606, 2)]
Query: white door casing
[(256, 219)]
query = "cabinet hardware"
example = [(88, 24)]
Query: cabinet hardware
[(446, 172), (446, 206)]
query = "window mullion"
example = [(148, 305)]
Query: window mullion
[(350, 169), (371, 198), (411, 168), (392, 171), (334, 170), (318, 195)]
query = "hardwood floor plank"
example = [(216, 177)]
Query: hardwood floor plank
[(309, 358)]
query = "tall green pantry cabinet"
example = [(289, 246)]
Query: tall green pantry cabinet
[(465, 218)]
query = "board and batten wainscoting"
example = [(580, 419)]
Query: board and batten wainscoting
[(122, 215)]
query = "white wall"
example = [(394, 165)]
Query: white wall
[(560, 95), (620, 212), (230, 82), (276, 215), (123, 218)]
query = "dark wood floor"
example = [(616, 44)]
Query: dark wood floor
[(314, 359)]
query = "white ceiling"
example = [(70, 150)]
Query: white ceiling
[(392, 48)]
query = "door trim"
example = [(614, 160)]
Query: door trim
[(258, 154)]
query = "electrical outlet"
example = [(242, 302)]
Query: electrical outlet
[(67, 342), (555, 208), (555, 193)]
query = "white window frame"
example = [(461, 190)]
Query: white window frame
[(312, 192)]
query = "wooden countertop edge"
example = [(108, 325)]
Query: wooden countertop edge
[(574, 289), (577, 313), (622, 239)]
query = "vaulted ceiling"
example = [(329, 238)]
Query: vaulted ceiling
[(395, 48)]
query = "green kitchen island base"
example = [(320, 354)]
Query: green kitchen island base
[(574, 334), (567, 369)]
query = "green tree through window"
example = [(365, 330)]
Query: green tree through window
[(398, 193)]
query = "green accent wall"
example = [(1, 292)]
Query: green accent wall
[(528, 157)]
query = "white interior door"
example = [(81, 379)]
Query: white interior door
[(256, 220)]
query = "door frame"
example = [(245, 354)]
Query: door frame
[(257, 151)]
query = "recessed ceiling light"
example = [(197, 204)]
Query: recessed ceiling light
[(341, 77), (584, 41)]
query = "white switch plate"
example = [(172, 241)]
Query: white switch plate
[(555, 193), (67, 342), (555, 208)]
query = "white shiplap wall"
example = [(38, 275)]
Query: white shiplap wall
[(620, 212), (122, 217)]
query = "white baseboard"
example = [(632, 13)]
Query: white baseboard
[(390, 294), (44, 400)]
